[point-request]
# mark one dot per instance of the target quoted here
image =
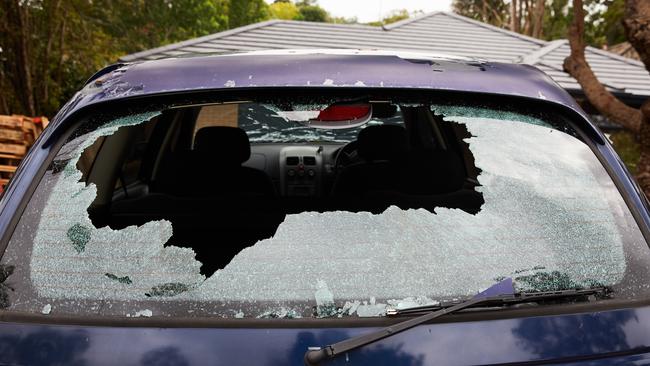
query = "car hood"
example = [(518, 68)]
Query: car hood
[(604, 337)]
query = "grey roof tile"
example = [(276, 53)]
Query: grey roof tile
[(437, 32), (620, 75)]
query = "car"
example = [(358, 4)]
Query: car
[(296, 207)]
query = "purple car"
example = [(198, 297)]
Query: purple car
[(321, 208)]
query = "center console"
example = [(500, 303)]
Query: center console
[(301, 171)]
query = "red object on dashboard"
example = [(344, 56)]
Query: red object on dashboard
[(344, 112)]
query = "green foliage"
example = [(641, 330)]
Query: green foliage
[(283, 10), (627, 147), (50, 47), (142, 24), (307, 10), (312, 13), (394, 16), (602, 24), (343, 20), (612, 22), (243, 12), (557, 19)]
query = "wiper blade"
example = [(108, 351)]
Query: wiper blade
[(509, 299), (500, 293)]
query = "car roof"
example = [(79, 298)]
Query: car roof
[(318, 69)]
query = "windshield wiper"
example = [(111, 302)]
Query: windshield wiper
[(505, 300), (501, 293)]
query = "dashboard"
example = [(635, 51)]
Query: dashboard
[(298, 170)]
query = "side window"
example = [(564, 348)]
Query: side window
[(140, 152), (216, 115), (87, 159)]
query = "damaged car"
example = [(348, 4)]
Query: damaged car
[(323, 207)]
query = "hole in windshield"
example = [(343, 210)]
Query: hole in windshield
[(218, 206)]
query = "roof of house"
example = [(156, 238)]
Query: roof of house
[(625, 49), (437, 32)]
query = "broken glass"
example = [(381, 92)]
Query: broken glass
[(552, 219)]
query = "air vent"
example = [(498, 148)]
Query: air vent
[(309, 160), (292, 160)]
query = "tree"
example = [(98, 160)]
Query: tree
[(493, 12), (343, 20), (636, 22), (284, 10), (528, 16), (306, 10), (602, 21), (394, 16), (311, 12), (243, 12), (548, 19), (48, 48), (142, 24)]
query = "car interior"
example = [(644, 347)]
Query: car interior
[(225, 185)]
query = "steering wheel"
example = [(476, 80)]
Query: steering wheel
[(346, 156)]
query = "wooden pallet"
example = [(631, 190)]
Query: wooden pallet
[(17, 135)]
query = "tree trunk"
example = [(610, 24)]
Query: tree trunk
[(498, 18), (4, 105), (514, 18), (527, 17), (23, 59), (44, 77), (637, 28), (520, 15), (484, 12), (59, 66), (538, 19)]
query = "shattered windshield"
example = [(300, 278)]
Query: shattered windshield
[(175, 213)]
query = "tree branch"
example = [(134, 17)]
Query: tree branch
[(578, 67)]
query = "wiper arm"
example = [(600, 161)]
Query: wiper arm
[(315, 356), (509, 299)]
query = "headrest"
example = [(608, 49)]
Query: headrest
[(223, 144), (384, 142)]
